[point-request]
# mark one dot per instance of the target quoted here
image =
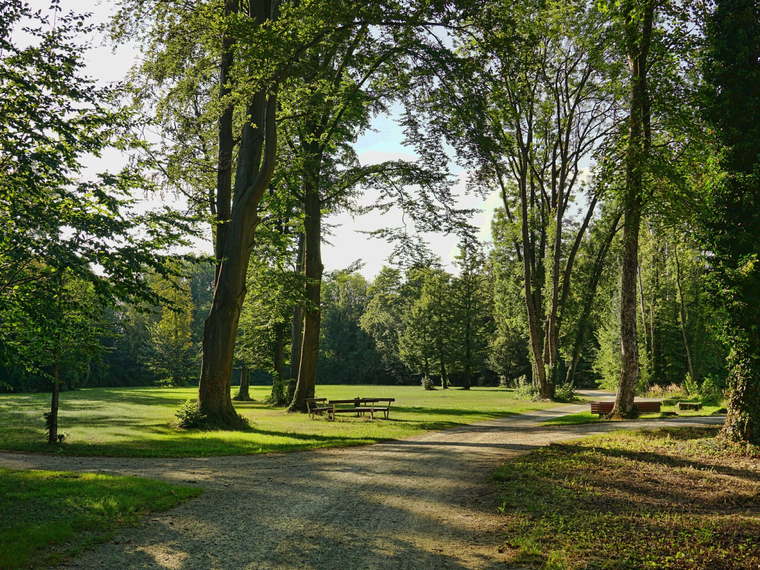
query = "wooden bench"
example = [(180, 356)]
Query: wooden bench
[(313, 406), (604, 408), (358, 406), (372, 403)]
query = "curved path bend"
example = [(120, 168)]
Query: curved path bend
[(426, 502)]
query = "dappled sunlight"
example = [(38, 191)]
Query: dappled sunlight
[(164, 556)]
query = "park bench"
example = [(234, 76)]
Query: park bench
[(358, 406), (604, 408), (373, 404), (317, 406), (361, 406)]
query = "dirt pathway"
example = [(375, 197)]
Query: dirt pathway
[(420, 503)]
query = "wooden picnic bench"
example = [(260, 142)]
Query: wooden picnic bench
[(359, 406), (372, 403), (316, 406), (604, 408)]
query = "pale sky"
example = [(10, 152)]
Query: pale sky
[(107, 64)]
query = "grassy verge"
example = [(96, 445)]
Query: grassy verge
[(137, 421), (668, 408), (46, 516), (668, 498)]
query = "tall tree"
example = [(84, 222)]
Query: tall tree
[(383, 320), (525, 107), (471, 311), (732, 218), (225, 64), (638, 19)]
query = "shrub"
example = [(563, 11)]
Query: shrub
[(190, 417), (525, 389), (690, 386), (427, 383), (564, 393), (670, 391)]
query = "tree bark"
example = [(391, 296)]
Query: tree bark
[(52, 419), (686, 345), (296, 332), (467, 350), (243, 394), (221, 207), (255, 166), (307, 369), (279, 353), (638, 35)]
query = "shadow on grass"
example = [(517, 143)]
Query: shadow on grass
[(176, 443), (662, 459), (482, 415)]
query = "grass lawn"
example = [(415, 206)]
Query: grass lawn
[(668, 408), (667, 498), (137, 421), (46, 516)]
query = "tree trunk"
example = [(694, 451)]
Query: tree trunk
[(255, 167), (52, 418), (220, 330), (629, 374), (296, 332), (638, 37), (307, 370), (743, 418), (245, 378), (221, 207), (531, 307), (641, 301), (689, 360), (442, 364), (467, 352), (279, 353)]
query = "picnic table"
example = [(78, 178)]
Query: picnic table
[(359, 406)]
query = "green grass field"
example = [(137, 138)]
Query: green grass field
[(46, 516), (137, 421)]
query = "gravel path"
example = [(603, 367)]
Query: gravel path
[(420, 503)]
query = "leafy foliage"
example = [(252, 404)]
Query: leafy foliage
[(731, 220)]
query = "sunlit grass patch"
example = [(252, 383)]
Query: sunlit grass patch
[(46, 516), (669, 498), (138, 421)]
